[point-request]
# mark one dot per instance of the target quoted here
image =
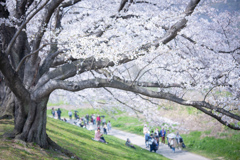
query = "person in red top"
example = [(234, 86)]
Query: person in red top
[(98, 121)]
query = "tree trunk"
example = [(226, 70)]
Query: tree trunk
[(30, 125)]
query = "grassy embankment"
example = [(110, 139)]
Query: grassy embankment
[(73, 138), (226, 145)]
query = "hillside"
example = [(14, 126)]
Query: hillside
[(73, 138), (207, 137)]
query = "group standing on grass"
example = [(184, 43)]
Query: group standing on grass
[(152, 140)]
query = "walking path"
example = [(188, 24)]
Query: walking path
[(163, 149)]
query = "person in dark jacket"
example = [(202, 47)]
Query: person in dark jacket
[(59, 113), (129, 144), (153, 143)]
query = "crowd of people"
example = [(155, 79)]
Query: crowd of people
[(152, 140), (155, 138)]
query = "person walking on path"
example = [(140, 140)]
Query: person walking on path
[(70, 115), (173, 143), (53, 112), (109, 126), (163, 134), (147, 139), (98, 121), (59, 113), (129, 144), (179, 141), (153, 144)]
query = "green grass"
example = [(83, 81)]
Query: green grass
[(214, 148), (76, 140), (57, 104)]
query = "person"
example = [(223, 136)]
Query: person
[(109, 126), (59, 113), (81, 123), (75, 115), (98, 121), (145, 129), (94, 119), (157, 138), (167, 138), (156, 131), (147, 139), (105, 128), (163, 134), (53, 112), (103, 121), (90, 126), (70, 114), (173, 144), (179, 141), (87, 118), (129, 144), (99, 137), (153, 143)]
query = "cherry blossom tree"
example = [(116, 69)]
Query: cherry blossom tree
[(76, 45)]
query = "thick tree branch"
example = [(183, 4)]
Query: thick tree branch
[(12, 79), (99, 83)]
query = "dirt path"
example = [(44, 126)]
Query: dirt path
[(163, 149)]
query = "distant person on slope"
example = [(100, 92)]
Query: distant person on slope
[(129, 144), (53, 112), (70, 114), (59, 113), (105, 128), (87, 118), (98, 121), (103, 121), (109, 126), (94, 119), (99, 137)]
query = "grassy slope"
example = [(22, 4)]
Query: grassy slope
[(227, 146), (73, 138)]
